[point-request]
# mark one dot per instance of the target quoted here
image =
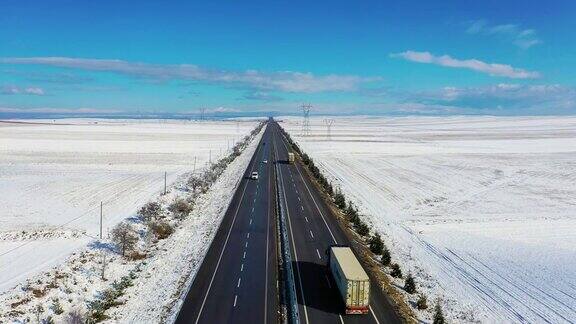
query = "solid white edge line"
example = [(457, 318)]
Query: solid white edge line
[(373, 315)]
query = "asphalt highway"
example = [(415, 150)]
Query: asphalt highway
[(312, 229), (237, 281)]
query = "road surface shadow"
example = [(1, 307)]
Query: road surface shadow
[(320, 290)]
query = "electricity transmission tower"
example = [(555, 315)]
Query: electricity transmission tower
[(306, 122), (202, 113), (329, 123)]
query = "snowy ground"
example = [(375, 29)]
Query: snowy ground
[(53, 177), (481, 209)]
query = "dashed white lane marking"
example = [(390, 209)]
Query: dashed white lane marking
[(250, 221), (311, 234), (242, 267), (306, 219), (235, 299), (341, 320), (252, 209), (302, 207), (317, 252), (248, 235), (299, 198), (246, 245), (328, 281), (244, 256), (239, 280)]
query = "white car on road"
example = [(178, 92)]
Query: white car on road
[(254, 175)]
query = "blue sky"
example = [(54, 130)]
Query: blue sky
[(364, 57)]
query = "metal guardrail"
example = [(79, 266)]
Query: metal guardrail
[(290, 284)]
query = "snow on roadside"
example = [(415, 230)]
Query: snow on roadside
[(479, 209), (157, 281), (157, 295)]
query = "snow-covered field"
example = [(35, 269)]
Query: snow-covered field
[(53, 177), (481, 209)]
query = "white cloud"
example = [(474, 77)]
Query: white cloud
[(521, 37), (13, 90), (50, 110), (286, 81), (493, 69), (513, 98)]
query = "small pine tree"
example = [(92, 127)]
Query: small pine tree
[(410, 284), (376, 244), (330, 189), (386, 257), (56, 306), (339, 200), (350, 210), (438, 315), (396, 272), (422, 303), (362, 228)]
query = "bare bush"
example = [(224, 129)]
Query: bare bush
[(161, 229), (150, 211), (75, 317), (180, 208), (125, 237)]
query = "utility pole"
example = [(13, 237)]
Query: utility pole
[(101, 212), (306, 122), (103, 265), (165, 174)]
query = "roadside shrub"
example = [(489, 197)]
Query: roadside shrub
[(396, 272), (180, 208), (410, 284), (339, 200), (306, 159), (56, 307), (422, 303), (438, 315), (75, 316), (362, 228), (386, 257), (125, 237), (376, 244), (151, 210), (160, 229), (329, 189)]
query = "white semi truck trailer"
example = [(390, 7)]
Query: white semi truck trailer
[(351, 279)]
